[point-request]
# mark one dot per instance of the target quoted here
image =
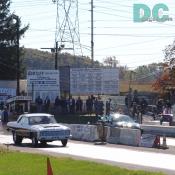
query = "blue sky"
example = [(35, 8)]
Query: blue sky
[(115, 32)]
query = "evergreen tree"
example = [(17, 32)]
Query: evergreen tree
[(10, 28)]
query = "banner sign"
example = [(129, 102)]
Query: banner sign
[(6, 93), (19, 98), (84, 81), (43, 83)]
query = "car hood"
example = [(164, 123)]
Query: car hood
[(127, 124), (49, 127)]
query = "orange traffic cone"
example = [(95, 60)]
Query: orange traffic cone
[(157, 142), (164, 144), (49, 168)]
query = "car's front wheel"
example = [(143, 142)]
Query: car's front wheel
[(64, 142), (16, 138), (34, 141)]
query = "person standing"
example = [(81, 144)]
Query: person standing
[(47, 104), (143, 107), (159, 105), (89, 105), (167, 109), (39, 103), (71, 105), (5, 116), (128, 101), (135, 97), (79, 104), (57, 105), (108, 107)]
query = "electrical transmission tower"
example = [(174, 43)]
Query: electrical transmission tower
[(67, 26)]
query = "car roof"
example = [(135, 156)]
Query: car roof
[(119, 114), (35, 114)]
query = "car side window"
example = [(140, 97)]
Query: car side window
[(19, 119), (24, 121), (45, 120), (31, 121)]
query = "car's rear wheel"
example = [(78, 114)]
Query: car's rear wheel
[(16, 138), (64, 142), (34, 141), (43, 143)]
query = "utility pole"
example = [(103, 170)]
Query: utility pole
[(56, 56), (17, 56), (92, 32), (18, 61), (57, 50)]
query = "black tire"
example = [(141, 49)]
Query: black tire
[(34, 141), (64, 142), (43, 143), (17, 139)]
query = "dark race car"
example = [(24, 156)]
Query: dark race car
[(121, 120)]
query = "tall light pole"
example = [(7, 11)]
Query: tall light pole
[(57, 50), (92, 32), (17, 56), (56, 56)]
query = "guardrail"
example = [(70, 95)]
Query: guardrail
[(159, 130)]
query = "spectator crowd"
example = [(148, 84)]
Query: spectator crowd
[(90, 105)]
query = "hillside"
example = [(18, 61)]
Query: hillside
[(36, 59)]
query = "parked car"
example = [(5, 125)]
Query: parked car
[(38, 127), (121, 120), (166, 118)]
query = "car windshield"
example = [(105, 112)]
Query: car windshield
[(122, 118), (35, 120)]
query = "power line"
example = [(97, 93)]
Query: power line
[(131, 44), (135, 54), (132, 35)]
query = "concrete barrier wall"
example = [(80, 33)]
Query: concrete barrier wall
[(126, 136), (84, 132), (130, 136), (112, 135), (116, 135)]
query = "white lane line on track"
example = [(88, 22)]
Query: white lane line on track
[(157, 160)]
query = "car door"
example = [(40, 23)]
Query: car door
[(23, 127)]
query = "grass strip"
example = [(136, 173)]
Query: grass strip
[(19, 163)]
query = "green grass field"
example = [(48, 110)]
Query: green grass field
[(18, 163)]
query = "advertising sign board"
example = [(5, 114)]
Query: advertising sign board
[(43, 83), (85, 81), (6, 93)]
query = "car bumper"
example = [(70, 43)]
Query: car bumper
[(54, 135)]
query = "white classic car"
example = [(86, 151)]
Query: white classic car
[(38, 127)]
